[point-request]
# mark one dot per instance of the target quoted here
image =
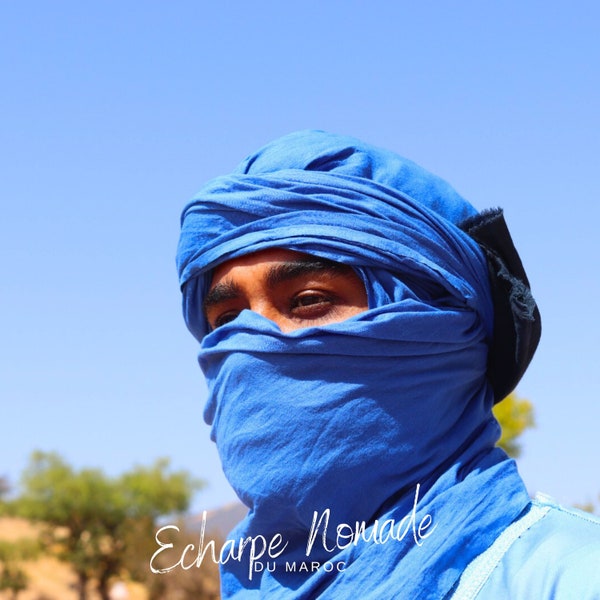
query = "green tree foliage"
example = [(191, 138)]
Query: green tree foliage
[(515, 415), (93, 521), (13, 578)]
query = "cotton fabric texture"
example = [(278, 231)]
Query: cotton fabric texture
[(353, 416), (552, 552)]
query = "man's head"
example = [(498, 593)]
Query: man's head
[(404, 232)]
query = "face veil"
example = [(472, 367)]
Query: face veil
[(352, 416)]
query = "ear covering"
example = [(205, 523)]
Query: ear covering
[(517, 321)]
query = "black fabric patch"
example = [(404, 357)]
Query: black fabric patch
[(517, 320)]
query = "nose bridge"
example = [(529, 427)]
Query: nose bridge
[(265, 307)]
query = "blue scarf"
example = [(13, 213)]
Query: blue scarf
[(383, 416)]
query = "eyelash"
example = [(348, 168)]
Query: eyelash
[(225, 318), (321, 299), (324, 304)]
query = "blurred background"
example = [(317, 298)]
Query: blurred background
[(115, 113)]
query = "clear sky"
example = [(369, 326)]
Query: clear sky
[(115, 113)]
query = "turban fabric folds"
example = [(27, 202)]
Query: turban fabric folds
[(353, 417)]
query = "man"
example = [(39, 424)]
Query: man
[(358, 319)]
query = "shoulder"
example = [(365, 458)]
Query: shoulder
[(557, 557), (564, 528), (550, 553), (567, 538)]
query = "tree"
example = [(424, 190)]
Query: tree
[(515, 415), (12, 577), (92, 520)]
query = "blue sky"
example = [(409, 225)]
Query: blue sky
[(115, 113)]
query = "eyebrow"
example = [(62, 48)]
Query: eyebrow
[(288, 270), (280, 273), (222, 292)]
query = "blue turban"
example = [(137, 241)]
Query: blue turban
[(356, 418)]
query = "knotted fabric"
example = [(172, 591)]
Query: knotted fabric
[(358, 418)]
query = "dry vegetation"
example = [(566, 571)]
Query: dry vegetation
[(50, 579)]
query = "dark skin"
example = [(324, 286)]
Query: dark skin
[(292, 289)]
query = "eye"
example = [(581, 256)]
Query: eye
[(224, 318), (311, 304)]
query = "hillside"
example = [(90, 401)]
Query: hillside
[(50, 579)]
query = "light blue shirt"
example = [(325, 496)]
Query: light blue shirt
[(552, 553)]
